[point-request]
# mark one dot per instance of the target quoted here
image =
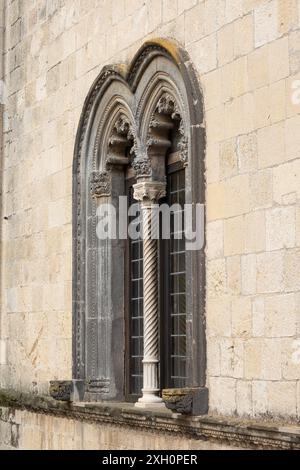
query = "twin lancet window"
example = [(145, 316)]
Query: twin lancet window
[(139, 300)]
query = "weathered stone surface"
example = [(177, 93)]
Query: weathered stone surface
[(186, 401), (247, 57), (40, 422)]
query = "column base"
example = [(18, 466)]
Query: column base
[(159, 404), (149, 400)]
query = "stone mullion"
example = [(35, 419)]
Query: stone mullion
[(148, 193)]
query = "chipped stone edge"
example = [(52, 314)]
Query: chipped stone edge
[(230, 431)]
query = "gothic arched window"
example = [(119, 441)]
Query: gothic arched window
[(139, 302)]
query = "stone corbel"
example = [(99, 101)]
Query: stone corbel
[(67, 390), (187, 401), (166, 116)]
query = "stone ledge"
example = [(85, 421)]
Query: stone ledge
[(231, 431)]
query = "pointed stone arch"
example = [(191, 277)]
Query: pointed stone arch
[(126, 114)]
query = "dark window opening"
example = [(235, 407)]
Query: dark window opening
[(135, 313)]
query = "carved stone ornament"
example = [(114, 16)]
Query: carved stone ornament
[(67, 390), (183, 144), (186, 401), (149, 191), (100, 184), (123, 135), (61, 390), (142, 167), (167, 106)]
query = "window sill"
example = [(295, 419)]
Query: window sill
[(236, 432)]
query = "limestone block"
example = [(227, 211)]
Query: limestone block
[(270, 272), (226, 44), (194, 23), (169, 11), (229, 198), (228, 158), (223, 398), (154, 15), (297, 226), (258, 316), (219, 317), (214, 15), (204, 53), (262, 98), (279, 59), (277, 102), (271, 145), (282, 397), (247, 153), (280, 228), (287, 15), (233, 268), (294, 51), (234, 236), (271, 359), (255, 232), (234, 77), (185, 5), (215, 239), (215, 124), (240, 81), (211, 83), (293, 95), (232, 357), (258, 68), (244, 397), (253, 358), (241, 309), (292, 138), (292, 270), (243, 28), (260, 397), (213, 356), (290, 359), (266, 23), (233, 9), (216, 282), (249, 267), (286, 179)]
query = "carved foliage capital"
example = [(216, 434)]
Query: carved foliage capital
[(100, 184), (142, 167), (149, 192)]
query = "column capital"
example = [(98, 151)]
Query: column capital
[(149, 192)]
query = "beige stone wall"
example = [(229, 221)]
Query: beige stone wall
[(247, 54), (31, 431)]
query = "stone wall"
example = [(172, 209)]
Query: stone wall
[(24, 430), (247, 54)]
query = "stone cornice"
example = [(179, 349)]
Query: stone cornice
[(231, 431)]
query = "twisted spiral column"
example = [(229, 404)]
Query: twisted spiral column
[(149, 193)]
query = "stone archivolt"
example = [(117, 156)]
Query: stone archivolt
[(129, 123), (125, 147)]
